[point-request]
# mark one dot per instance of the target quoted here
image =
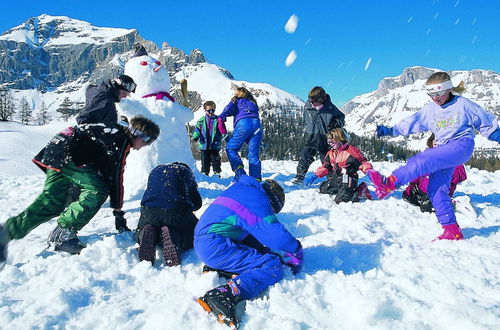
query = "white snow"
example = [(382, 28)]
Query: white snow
[(290, 59), (73, 31), (291, 24), (369, 265)]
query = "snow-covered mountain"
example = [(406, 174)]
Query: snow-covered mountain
[(52, 57), (398, 97)]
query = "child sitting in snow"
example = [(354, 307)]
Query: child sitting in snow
[(209, 133), (416, 192), (341, 164), (167, 213), (453, 119), (240, 234)]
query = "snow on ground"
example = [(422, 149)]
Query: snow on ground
[(369, 265)]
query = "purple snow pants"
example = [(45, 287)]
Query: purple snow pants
[(439, 163)]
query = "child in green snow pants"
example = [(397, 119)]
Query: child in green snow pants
[(52, 201)]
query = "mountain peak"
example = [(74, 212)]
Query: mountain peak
[(46, 30)]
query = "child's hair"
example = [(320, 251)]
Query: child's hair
[(430, 141), (439, 77), (317, 94), (337, 134), (208, 104), (145, 125), (243, 93)]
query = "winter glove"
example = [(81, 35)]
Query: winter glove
[(120, 221), (310, 178), (384, 130), (495, 136), (293, 260), (221, 125)]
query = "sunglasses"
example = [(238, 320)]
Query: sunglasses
[(440, 93), (210, 110), (128, 86), (146, 138), (318, 100)]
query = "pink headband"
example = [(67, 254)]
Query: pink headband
[(439, 87)]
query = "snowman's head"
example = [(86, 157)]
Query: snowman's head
[(148, 73)]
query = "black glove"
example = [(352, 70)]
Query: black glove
[(120, 221)]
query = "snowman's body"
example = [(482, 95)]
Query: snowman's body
[(149, 100)]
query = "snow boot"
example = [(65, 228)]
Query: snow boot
[(147, 248), (222, 302), (222, 273), (451, 232), (299, 179), (383, 186), (238, 173), (171, 253), (363, 192), (65, 240), (4, 240)]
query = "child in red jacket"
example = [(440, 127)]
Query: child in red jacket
[(341, 164)]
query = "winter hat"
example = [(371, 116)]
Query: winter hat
[(125, 83), (275, 194), (139, 50)]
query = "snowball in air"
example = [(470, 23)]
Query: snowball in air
[(291, 25), (291, 58)]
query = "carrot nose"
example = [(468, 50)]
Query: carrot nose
[(157, 68)]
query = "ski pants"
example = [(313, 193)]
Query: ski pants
[(247, 130), (210, 158), (307, 158), (52, 201), (257, 271), (439, 162)]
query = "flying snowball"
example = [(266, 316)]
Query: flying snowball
[(291, 58), (367, 65), (292, 23)]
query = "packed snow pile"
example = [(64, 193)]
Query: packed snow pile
[(368, 265), (151, 99)]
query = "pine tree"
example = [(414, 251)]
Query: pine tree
[(66, 109), (7, 109), (25, 111), (43, 116)]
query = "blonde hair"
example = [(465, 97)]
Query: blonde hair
[(337, 134), (439, 77)]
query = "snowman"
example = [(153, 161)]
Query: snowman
[(152, 100)]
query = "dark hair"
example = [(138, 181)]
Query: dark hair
[(208, 104), (430, 141), (146, 126), (243, 93), (317, 94), (275, 193)]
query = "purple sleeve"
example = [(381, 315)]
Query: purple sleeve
[(229, 110), (482, 120), (418, 122)]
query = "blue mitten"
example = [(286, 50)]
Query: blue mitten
[(310, 178), (384, 130), (495, 136)]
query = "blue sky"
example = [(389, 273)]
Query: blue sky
[(334, 39)]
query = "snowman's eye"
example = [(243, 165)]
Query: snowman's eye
[(158, 63), (144, 63)]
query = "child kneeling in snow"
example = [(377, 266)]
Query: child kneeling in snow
[(416, 192), (453, 119), (341, 164), (240, 234), (167, 213), (91, 157)]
